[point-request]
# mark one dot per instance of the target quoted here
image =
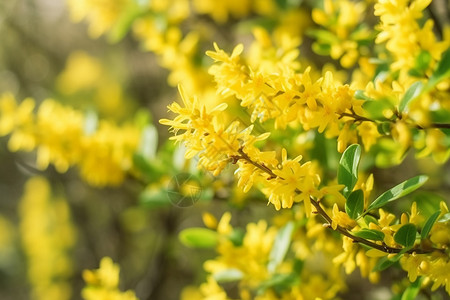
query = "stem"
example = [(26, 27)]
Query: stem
[(264, 168), (356, 239), (383, 247), (359, 118)]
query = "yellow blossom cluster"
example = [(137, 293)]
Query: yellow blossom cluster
[(103, 283), (47, 236), (403, 35), (429, 260), (291, 98), (283, 182), (65, 137), (345, 36), (251, 261), (159, 26)]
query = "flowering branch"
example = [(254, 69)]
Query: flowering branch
[(359, 118), (319, 210), (356, 239)]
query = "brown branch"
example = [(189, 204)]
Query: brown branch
[(383, 247), (262, 167), (359, 118)]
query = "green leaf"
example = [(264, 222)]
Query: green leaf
[(429, 224), (228, 275), (384, 128), (442, 71), (125, 20), (149, 142), (422, 60), (149, 169), (348, 168), (323, 36), (398, 191), (280, 246), (406, 235), (198, 237), (237, 236), (278, 282), (386, 262), (154, 198), (411, 291), (412, 93), (421, 64), (355, 204), (370, 234), (382, 264), (376, 108)]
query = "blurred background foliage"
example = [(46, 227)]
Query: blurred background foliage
[(43, 54)]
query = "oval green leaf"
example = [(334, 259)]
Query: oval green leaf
[(442, 71), (429, 224), (398, 191), (354, 205), (406, 235), (228, 275), (280, 246), (412, 93), (348, 168), (386, 262), (383, 264), (198, 237), (412, 291), (370, 234), (154, 198)]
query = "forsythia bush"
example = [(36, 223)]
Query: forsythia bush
[(297, 104)]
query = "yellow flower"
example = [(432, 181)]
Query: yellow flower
[(295, 182), (82, 71), (102, 14), (47, 236), (369, 134), (341, 219), (103, 283), (221, 11), (342, 19), (404, 38)]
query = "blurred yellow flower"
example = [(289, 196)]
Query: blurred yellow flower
[(103, 283)]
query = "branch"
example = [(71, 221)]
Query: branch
[(383, 247), (262, 167), (359, 118), (356, 239)]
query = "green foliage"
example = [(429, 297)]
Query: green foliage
[(386, 262), (348, 168), (198, 237), (429, 224), (442, 71), (354, 205), (398, 191), (154, 198), (375, 109), (421, 64), (412, 93), (412, 291), (406, 235), (125, 21), (278, 282), (280, 246), (228, 275), (370, 234)]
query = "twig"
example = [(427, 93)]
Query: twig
[(383, 247)]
